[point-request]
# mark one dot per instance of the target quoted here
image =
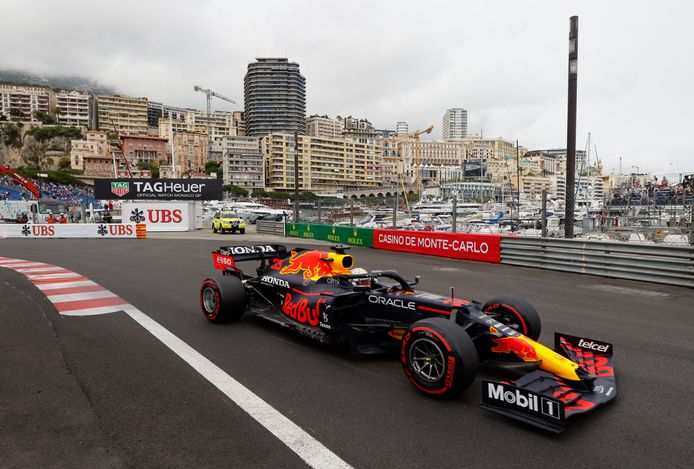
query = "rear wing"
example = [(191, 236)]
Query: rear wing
[(227, 256)]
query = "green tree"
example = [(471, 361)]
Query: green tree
[(16, 114), (43, 117), (259, 193), (64, 163), (11, 136), (46, 133), (155, 169), (213, 166), (235, 191)]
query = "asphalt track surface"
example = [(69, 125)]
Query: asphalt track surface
[(102, 392)]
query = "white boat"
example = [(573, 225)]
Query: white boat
[(252, 211)]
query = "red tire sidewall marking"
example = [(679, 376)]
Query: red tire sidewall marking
[(209, 283), (449, 369)]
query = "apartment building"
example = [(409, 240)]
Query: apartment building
[(156, 111), (477, 147), (144, 148), (324, 127), (401, 129), (360, 130), (532, 186), (76, 109), (129, 114), (415, 153), (94, 145), (325, 165), (540, 163), (190, 153), (274, 97), (243, 163), (590, 188), (18, 102), (218, 125), (455, 124)]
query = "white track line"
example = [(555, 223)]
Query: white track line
[(312, 451), (95, 311), (307, 447)]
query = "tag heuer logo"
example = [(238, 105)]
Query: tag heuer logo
[(120, 188)]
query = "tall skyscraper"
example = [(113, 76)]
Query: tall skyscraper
[(274, 94), (455, 124)]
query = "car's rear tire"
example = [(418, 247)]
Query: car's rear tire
[(516, 313), (223, 298), (439, 357), (242, 231)]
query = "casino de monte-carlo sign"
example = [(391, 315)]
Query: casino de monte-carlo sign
[(158, 189)]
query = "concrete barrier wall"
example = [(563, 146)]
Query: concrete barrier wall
[(76, 230)]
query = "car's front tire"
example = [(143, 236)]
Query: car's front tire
[(516, 313), (223, 298), (242, 231), (439, 357), (214, 229)]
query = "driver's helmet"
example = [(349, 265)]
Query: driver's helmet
[(361, 282)]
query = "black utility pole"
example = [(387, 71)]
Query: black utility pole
[(518, 168), (296, 177), (571, 130)]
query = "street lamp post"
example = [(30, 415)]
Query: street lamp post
[(571, 129)]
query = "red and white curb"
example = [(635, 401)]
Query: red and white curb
[(75, 295), (71, 293)]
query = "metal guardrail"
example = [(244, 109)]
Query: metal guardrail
[(270, 227), (659, 264)]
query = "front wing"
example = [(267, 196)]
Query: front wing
[(544, 400)]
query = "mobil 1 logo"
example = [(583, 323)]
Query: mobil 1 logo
[(507, 396)]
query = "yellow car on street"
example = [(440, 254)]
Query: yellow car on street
[(228, 221)]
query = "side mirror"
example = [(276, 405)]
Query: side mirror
[(416, 280)]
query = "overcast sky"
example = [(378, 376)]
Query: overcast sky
[(504, 61)]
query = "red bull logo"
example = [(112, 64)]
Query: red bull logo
[(314, 266), (301, 310), (518, 346)]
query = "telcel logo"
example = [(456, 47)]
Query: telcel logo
[(590, 345)]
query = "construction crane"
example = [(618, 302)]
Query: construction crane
[(21, 180), (209, 94)]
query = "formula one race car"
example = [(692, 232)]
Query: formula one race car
[(441, 340)]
